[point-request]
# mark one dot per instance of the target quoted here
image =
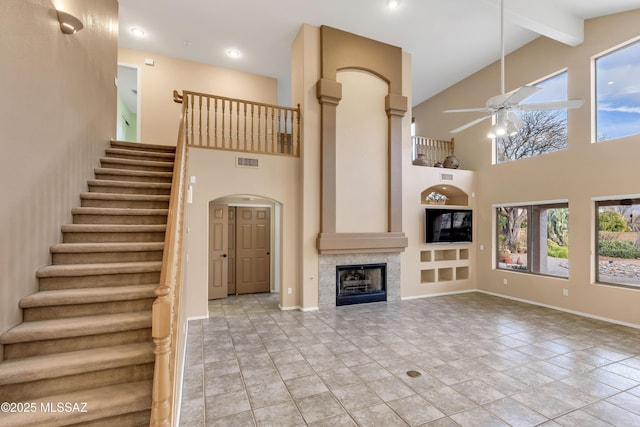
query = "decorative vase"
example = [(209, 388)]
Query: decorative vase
[(451, 162), (421, 160)]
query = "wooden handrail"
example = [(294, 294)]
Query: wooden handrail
[(166, 307), (236, 124)]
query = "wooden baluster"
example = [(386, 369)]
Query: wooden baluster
[(252, 126), (244, 122), (224, 142), (199, 119), (192, 117), (208, 121), (259, 123), (216, 140), (238, 125), (279, 141)]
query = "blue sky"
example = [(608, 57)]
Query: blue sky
[(618, 92)]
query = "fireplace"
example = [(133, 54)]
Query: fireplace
[(357, 284)]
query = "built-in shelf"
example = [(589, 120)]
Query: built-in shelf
[(444, 265), (427, 276), (445, 254), (455, 196), (462, 273)]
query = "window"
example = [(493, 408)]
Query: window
[(618, 242), (617, 94), (534, 238), (544, 131)]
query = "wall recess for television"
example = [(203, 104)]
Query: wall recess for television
[(445, 262), (455, 196)]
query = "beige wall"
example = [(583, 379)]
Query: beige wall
[(57, 116), (160, 115), (305, 72), (362, 172), (578, 174), (217, 177)]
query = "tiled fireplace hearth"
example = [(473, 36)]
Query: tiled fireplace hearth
[(329, 264)]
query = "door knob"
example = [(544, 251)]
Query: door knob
[(268, 253), (223, 255)]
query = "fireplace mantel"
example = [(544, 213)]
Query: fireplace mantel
[(352, 243)]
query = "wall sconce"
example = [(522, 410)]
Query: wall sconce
[(69, 24)]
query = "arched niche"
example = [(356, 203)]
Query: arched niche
[(455, 196)]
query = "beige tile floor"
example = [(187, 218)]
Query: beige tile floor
[(484, 361)]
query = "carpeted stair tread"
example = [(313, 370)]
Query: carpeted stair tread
[(76, 327), (74, 362), (106, 247), (140, 153), (129, 172), (131, 162), (129, 184), (101, 402), (113, 228), (128, 197), (98, 269), (87, 295), (117, 211), (142, 146)]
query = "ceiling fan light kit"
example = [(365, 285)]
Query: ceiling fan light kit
[(502, 107)]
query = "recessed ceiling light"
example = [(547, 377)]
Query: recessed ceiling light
[(610, 83), (233, 53), (392, 4), (138, 32)]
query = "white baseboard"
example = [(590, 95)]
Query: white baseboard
[(466, 291), (292, 307), (566, 310), (309, 308), (198, 317)]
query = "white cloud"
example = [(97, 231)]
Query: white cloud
[(621, 109)]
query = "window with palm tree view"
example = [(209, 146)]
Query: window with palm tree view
[(534, 238)]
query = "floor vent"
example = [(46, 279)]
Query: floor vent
[(245, 162)]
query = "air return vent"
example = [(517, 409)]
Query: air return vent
[(245, 162), (446, 177)]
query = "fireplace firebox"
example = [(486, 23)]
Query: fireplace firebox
[(357, 284)]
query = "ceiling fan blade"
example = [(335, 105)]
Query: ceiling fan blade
[(550, 105), (515, 118), (469, 124), (469, 110), (521, 94)]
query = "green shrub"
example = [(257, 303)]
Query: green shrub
[(558, 251), (618, 249), (612, 221)]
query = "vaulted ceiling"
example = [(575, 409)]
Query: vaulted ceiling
[(448, 39)]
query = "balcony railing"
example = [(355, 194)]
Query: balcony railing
[(239, 125), (434, 150)]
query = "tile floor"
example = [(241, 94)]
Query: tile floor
[(485, 361)]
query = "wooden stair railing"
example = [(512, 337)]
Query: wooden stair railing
[(213, 121), (166, 312)]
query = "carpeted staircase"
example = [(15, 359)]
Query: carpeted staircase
[(86, 335)]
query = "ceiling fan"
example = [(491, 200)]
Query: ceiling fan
[(503, 106)]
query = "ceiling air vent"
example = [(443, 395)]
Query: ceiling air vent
[(446, 177), (245, 162)]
